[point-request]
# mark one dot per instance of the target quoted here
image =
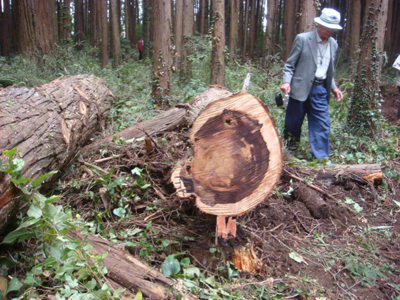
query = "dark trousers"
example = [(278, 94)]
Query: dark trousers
[(316, 108)]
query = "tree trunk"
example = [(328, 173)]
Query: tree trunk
[(272, 31), (115, 41), (127, 271), (79, 24), (178, 33), (64, 20), (5, 29), (289, 25), (188, 31), (355, 31), (218, 43), (101, 17), (202, 17), (365, 96), (308, 13), (162, 60), (36, 26), (47, 125), (237, 159), (233, 40)]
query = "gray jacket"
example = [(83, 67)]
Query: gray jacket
[(301, 65)]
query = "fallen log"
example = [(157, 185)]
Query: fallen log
[(47, 125), (177, 117), (126, 270)]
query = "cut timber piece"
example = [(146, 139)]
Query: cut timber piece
[(126, 270), (237, 157)]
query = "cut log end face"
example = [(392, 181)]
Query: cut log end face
[(230, 160), (237, 157)]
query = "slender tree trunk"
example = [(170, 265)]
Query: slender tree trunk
[(115, 40), (103, 26), (272, 30), (218, 57), (233, 41), (188, 31), (246, 27), (252, 29), (147, 20), (162, 59), (79, 23), (36, 26), (365, 98), (289, 25), (178, 33), (64, 20), (355, 31), (5, 29), (202, 17)]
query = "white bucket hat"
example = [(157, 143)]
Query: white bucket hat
[(329, 18)]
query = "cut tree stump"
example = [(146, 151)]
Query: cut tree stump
[(126, 270), (47, 125), (237, 159)]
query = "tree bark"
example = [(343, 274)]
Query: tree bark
[(128, 271), (115, 41), (308, 13), (101, 17), (47, 125), (218, 43), (162, 59), (233, 40), (36, 26), (365, 96)]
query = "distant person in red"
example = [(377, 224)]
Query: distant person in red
[(140, 48)]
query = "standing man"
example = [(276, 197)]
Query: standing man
[(308, 79)]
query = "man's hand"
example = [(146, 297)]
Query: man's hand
[(338, 94), (285, 88)]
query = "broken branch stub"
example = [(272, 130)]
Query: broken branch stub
[(237, 159)]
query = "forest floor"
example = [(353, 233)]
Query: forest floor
[(353, 252)]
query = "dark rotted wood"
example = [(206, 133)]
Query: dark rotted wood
[(237, 157), (128, 271), (47, 125), (318, 208)]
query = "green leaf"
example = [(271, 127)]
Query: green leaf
[(41, 178), (34, 211), (119, 212), (137, 171), (297, 257), (138, 296), (18, 235), (19, 164), (14, 285), (171, 266), (192, 272)]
